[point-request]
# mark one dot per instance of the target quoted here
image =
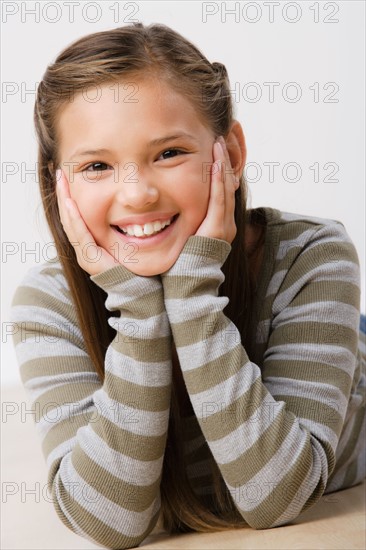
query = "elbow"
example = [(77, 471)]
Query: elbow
[(105, 528)]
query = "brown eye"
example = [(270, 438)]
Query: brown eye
[(171, 152), (96, 167)]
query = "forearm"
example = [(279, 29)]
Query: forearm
[(256, 440), (105, 449)]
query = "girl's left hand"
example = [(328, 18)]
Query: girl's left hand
[(219, 222)]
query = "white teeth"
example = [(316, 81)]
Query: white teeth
[(138, 231), (147, 229)]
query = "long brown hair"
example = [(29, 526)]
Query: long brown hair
[(109, 56)]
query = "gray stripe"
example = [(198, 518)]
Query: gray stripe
[(211, 349), (274, 471), (321, 431), (42, 384), (58, 328), (344, 314), (61, 450), (131, 418), (228, 391), (298, 242), (303, 493), (324, 272), (53, 285), (317, 391), (336, 356), (137, 372), (116, 517), (232, 446), (153, 327), (291, 217), (181, 311), (34, 348), (51, 417), (119, 465)]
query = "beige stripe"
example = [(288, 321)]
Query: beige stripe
[(352, 441), (97, 529), (71, 393), (154, 350), (231, 415), (61, 432), (302, 370), (39, 331), (138, 447), (146, 398), (327, 291), (311, 258), (261, 452), (312, 409), (135, 497), (315, 333), (142, 305), (285, 492), (180, 286), (55, 366), (214, 372), (193, 331), (29, 296), (53, 270)]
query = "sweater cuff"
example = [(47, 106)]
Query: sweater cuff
[(119, 274), (199, 251), (139, 297)]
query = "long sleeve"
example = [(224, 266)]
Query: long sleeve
[(104, 443), (273, 431)]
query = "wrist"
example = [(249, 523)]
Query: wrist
[(199, 251)]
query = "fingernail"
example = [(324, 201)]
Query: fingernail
[(220, 147)]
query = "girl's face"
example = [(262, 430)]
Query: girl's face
[(136, 154)]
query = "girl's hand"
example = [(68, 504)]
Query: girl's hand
[(91, 257), (219, 222)]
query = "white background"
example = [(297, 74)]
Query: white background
[(256, 47)]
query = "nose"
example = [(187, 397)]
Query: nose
[(134, 188)]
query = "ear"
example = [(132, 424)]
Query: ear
[(235, 143)]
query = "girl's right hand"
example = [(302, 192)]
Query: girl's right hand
[(78, 233)]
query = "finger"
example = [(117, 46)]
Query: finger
[(229, 189), (229, 172), (62, 192), (72, 221), (217, 202)]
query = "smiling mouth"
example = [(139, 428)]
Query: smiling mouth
[(146, 236)]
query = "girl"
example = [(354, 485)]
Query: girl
[(185, 356)]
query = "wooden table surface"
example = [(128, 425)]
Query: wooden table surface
[(337, 521), (29, 520)]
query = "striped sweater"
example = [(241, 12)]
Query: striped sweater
[(284, 426)]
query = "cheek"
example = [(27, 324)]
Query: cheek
[(91, 205), (194, 194)]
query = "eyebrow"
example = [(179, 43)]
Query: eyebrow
[(153, 143)]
